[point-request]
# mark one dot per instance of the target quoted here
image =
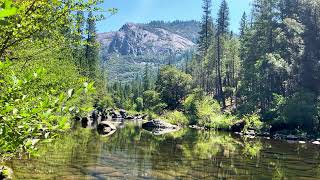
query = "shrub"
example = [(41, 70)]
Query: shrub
[(252, 122), (205, 111), (176, 117), (38, 102)]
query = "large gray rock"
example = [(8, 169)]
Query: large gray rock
[(159, 127), (158, 124), (106, 128)]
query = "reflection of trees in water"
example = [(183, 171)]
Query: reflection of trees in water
[(186, 154)]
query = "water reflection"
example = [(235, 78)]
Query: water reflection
[(133, 153)]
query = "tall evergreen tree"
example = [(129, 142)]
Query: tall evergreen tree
[(222, 30), (206, 36), (146, 78), (91, 49), (207, 33)]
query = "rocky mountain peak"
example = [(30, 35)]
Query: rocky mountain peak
[(136, 39)]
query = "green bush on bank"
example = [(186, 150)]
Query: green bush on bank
[(205, 111), (176, 118), (38, 101)]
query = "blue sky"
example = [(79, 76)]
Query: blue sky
[(141, 11)]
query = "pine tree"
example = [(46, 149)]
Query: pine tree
[(146, 78), (222, 30), (207, 33), (243, 25), (91, 50), (206, 36)]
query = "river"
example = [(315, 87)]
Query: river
[(133, 153)]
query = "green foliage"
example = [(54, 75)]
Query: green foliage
[(6, 9), (205, 111), (176, 117), (173, 86), (140, 104), (300, 111), (39, 102), (252, 122)]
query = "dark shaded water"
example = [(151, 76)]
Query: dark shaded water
[(133, 153)]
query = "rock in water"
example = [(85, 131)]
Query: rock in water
[(123, 113), (158, 127), (106, 128), (158, 124), (238, 126), (316, 142)]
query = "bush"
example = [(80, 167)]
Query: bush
[(252, 122), (205, 111), (38, 102), (176, 117)]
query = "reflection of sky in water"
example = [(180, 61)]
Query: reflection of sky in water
[(137, 154)]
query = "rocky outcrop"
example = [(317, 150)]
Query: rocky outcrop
[(135, 39)]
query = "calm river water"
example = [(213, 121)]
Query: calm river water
[(133, 153)]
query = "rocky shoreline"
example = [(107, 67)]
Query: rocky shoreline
[(103, 121)]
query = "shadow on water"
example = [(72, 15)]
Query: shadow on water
[(133, 153)]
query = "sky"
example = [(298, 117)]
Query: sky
[(143, 11)]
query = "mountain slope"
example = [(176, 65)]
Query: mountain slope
[(128, 50)]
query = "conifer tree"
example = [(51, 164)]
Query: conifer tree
[(222, 30), (206, 36), (91, 49)]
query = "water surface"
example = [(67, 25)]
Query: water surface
[(133, 153)]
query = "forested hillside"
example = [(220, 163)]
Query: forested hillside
[(268, 74)]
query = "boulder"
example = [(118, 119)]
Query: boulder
[(130, 118), (316, 142), (158, 124), (158, 127), (123, 113), (238, 126), (115, 115), (106, 128)]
